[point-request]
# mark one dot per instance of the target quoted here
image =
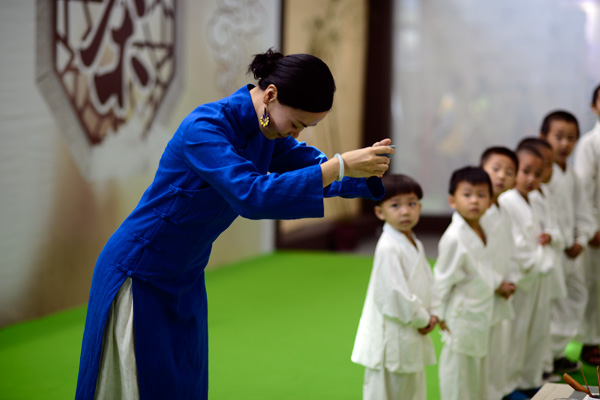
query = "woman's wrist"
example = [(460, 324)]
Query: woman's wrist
[(340, 166), (330, 170)]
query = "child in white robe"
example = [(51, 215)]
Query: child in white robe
[(587, 167), (392, 340), (501, 164), (553, 286), (465, 288), (561, 130), (530, 328)]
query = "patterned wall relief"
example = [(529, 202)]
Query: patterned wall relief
[(232, 30), (113, 61)]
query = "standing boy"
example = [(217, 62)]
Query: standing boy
[(587, 167), (392, 340), (530, 328), (553, 285), (561, 130), (465, 288), (501, 164)]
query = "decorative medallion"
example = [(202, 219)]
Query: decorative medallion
[(114, 59)]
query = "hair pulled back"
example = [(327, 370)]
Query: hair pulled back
[(596, 95), (303, 81)]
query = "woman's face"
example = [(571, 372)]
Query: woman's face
[(287, 121), (284, 120)]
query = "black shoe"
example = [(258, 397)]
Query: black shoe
[(562, 365), (549, 377)]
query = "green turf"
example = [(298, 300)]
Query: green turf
[(281, 326), (39, 359), (286, 326)]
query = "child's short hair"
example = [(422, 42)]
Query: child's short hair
[(595, 94), (472, 175), (559, 115), (531, 141), (530, 150), (503, 151), (396, 184)]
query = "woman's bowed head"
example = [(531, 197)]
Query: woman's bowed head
[(295, 92)]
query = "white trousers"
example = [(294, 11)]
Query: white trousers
[(462, 377), (537, 338), (525, 302), (567, 314), (117, 377), (386, 385), (589, 331), (497, 360)]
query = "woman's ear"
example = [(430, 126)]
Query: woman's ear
[(270, 94)]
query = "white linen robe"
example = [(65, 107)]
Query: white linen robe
[(547, 217), (497, 224), (576, 224), (587, 167), (465, 284), (530, 328), (397, 304)]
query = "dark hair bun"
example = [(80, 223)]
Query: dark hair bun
[(303, 81), (264, 64)]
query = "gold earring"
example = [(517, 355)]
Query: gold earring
[(265, 120)]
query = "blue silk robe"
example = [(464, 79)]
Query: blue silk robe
[(213, 169)]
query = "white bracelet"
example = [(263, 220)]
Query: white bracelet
[(341, 161)]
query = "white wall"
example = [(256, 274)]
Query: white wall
[(469, 74)]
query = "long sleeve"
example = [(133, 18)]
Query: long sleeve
[(587, 168), (585, 224), (393, 297), (249, 192), (447, 272), (290, 155)]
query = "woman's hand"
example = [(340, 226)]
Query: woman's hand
[(361, 163), (370, 161)]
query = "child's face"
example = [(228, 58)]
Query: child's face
[(548, 155), (471, 201), (530, 173), (562, 136), (401, 211), (502, 172)]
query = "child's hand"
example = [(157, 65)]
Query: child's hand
[(544, 239), (595, 241), (574, 251), (432, 322), (506, 289), (444, 327)]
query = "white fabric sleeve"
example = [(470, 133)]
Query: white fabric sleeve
[(393, 297), (447, 272)]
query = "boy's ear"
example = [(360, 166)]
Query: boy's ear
[(379, 213), (451, 201)]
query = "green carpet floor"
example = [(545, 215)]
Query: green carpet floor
[(281, 327)]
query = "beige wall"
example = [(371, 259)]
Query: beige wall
[(55, 221), (336, 31)]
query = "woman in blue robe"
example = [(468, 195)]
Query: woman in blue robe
[(236, 156)]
